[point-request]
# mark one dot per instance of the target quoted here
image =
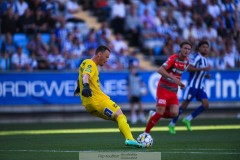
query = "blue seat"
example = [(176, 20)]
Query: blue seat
[(45, 37), (20, 39)]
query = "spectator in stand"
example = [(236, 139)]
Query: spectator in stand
[(199, 7), (56, 60), (19, 7), (220, 61), (27, 23), (77, 33), (158, 18), (33, 61), (196, 31), (148, 38), (237, 56), (53, 8), (150, 5), (213, 9), (76, 52), (67, 43), (8, 46), (133, 60), (103, 39), (230, 54), (171, 21), (185, 4), (88, 54), (168, 48), (123, 57), (91, 42), (61, 32), (146, 17), (53, 41), (104, 28), (184, 20), (4, 62), (20, 60), (221, 29), (210, 33), (168, 4), (10, 19), (118, 16), (40, 21), (36, 45), (71, 9), (118, 43), (102, 10), (132, 26), (51, 20)]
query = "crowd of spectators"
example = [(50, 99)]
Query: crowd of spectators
[(67, 44), (157, 27)]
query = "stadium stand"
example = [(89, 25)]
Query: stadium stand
[(151, 28)]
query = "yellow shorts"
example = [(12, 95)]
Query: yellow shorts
[(105, 109)]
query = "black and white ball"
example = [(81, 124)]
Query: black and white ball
[(145, 139)]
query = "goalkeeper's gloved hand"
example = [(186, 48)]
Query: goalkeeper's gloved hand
[(77, 91), (86, 92)]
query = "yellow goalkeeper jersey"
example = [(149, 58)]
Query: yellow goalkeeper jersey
[(89, 67)]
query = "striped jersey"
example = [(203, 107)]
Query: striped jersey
[(196, 79), (176, 67)]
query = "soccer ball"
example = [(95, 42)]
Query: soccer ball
[(145, 139)]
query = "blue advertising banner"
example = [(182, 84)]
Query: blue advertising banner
[(57, 88)]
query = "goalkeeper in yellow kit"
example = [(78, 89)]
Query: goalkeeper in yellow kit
[(94, 100)]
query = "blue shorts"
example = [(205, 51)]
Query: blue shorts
[(191, 93)]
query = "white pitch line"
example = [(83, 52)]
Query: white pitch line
[(207, 149), (221, 153), (74, 151)]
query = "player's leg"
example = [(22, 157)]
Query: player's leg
[(125, 129), (173, 122), (113, 111), (201, 96), (160, 109), (155, 118), (188, 96), (198, 110)]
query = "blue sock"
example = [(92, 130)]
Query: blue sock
[(174, 120), (199, 110)]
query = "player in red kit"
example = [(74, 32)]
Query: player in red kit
[(167, 101)]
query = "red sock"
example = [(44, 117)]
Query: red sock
[(152, 121), (167, 114)]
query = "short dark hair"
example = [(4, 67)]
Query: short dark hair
[(202, 43), (102, 48), (186, 42)]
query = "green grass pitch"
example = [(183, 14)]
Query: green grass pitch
[(64, 141)]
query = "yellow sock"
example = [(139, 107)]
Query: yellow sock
[(124, 127)]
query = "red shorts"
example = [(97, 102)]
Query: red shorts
[(166, 97)]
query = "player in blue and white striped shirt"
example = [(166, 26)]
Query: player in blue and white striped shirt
[(198, 69)]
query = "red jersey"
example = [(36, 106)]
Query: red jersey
[(175, 67)]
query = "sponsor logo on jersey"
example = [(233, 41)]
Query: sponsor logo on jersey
[(161, 101), (88, 70)]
